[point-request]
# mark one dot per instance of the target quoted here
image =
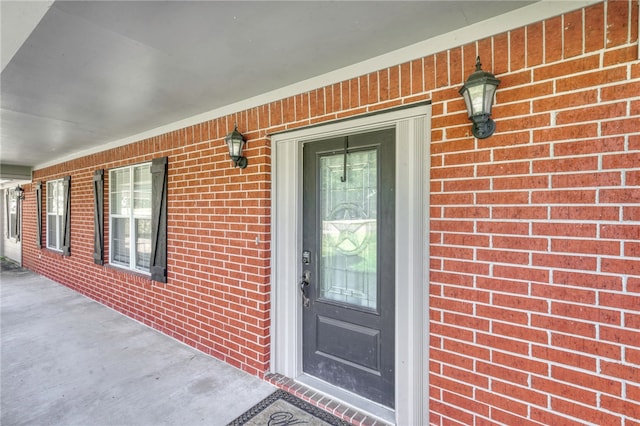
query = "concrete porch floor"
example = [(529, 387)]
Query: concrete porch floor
[(67, 360)]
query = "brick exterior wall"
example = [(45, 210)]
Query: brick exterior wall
[(535, 232), (535, 268)]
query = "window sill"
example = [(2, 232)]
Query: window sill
[(53, 251), (122, 269)]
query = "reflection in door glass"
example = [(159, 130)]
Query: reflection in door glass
[(348, 263)]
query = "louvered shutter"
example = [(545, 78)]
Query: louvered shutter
[(158, 260), (39, 213), (98, 217), (66, 219)]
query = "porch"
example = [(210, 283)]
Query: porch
[(68, 360)]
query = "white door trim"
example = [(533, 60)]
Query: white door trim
[(412, 198)]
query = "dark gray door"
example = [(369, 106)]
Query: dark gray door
[(349, 263)]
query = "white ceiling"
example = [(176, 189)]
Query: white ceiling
[(94, 72)]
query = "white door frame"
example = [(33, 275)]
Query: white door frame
[(10, 247), (412, 201)]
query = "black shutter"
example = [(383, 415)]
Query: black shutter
[(98, 217), (158, 260), (39, 212), (66, 220)]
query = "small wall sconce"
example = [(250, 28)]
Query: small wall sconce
[(235, 141), (19, 193), (478, 92)]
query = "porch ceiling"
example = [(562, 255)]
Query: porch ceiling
[(94, 72)]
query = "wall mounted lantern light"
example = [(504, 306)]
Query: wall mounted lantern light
[(19, 193), (478, 92), (235, 141)]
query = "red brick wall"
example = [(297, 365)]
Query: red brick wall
[(535, 271), (535, 260), (217, 295)]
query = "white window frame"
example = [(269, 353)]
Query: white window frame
[(58, 214), (131, 215), (12, 215)]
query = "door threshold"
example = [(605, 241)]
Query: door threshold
[(341, 403), (364, 405)]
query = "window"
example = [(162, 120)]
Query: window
[(55, 203), (137, 218), (13, 215), (130, 204), (59, 215)]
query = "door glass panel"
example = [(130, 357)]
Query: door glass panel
[(348, 210)]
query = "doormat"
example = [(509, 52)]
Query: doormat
[(8, 265), (282, 408)]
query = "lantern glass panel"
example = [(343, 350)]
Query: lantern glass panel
[(235, 147), (490, 91), (467, 101), (477, 99)]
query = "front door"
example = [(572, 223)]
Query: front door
[(348, 263)]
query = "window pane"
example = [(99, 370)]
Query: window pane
[(142, 191), (55, 207), (120, 240), (143, 243), (13, 202), (348, 264), (60, 204), (52, 231), (59, 219), (52, 197), (120, 188)]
